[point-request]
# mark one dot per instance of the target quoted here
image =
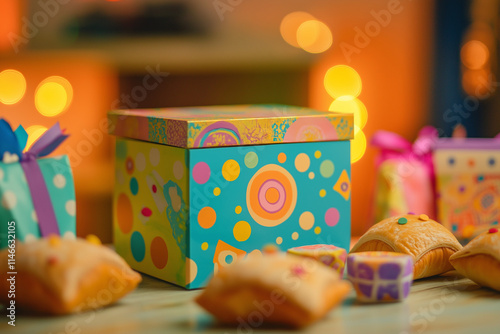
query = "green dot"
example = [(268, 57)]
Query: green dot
[(251, 159), (402, 221), (326, 168)]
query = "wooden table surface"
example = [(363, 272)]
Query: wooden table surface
[(446, 304)]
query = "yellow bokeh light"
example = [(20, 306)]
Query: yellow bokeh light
[(34, 132), (358, 145), (348, 104), (314, 36), (12, 86), (53, 96), (290, 24), (474, 54), (342, 80)]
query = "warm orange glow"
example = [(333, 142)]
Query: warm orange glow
[(291, 23), (478, 83), (474, 54), (12, 86), (342, 80), (314, 36), (349, 104), (10, 16), (358, 145), (53, 96), (34, 132)]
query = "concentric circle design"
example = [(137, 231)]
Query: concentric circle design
[(271, 195)]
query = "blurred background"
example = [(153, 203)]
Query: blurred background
[(397, 64)]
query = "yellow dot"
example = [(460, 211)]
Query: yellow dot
[(291, 23), (231, 170), (34, 132), (423, 217), (468, 231), (306, 222), (53, 96), (322, 193), (282, 157), (317, 154), (216, 191), (311, 175), (237, 210), (302, 162), (204, 246), (358, 145), (474, 54), (295, 235), (314, 36), (207, 217), (342, 80), (317, 230), (12, 86), (279, 240), (351, 105), (91, 238), (242, 231)]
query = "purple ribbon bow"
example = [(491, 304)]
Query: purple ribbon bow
[(42, 203)]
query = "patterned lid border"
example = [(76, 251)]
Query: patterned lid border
[(197, 127)]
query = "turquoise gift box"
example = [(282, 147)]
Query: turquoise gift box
[(197, 188), (37, 194)]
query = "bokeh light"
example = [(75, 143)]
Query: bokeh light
[(53, 96), (348, 104), (478, 83), (474, 54), (290, 24), (314, 36), (12, 86), (34, 132), (358, 145), (342, 80)]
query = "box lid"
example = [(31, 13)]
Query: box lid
[(468, 143), (195, 127)]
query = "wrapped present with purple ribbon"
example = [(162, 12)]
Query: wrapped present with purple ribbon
[(37, 194)]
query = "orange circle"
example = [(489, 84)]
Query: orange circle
[(124, 213), (282, 158), (272, 195), (207, 217), (159, 252)]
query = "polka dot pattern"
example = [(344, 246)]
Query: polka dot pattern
[(70, 207), (178, 170), (140, 161), (306, 220), (231, 170), (332, 217), (154, 156), (302, 162), (207, 217), (251, 159), (138, 246), (295, 235), (9, 200), (159, 252), (201, 172), (59, 181), (242, 231)]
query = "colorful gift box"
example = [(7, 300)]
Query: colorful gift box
[(195, 189), (468, 184), (37, 195)]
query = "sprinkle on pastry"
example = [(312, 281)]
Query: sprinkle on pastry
[(91, 238), (493, 230), (423, 217), (402, 221), (52, 260), (54, 240)]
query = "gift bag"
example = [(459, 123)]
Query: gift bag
[(37, 195), (404, 175), (468, 184)]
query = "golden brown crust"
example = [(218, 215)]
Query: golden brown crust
[(428, 242), (263, 289), (480, 268), (67, 276)]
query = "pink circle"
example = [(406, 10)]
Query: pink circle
[(201, 172), (272, 207), (332, 217)]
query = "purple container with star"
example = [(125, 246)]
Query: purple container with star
[(380, 276)]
